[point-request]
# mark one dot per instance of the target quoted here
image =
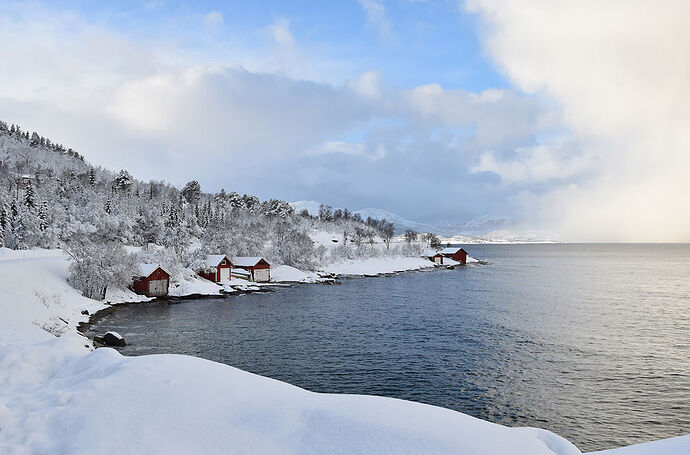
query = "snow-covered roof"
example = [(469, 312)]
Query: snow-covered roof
[(246, 261), (428, 253), (214, 260), (147, 269), (450, 250)]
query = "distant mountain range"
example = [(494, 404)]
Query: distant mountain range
[(482, 229)]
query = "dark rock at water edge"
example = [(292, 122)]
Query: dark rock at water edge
[(110, 339)]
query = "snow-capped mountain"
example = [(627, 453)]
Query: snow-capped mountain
[(479, 230), (400, 224)]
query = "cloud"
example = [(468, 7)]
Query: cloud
[(367, 85), (620, 71), (375, 12), (372, 151), (552, 161), (213, 19), (280, 32), (166, 113)]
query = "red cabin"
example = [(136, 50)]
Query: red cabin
[(259, 270), (217, 268), (456, 254), (151, 281), (437, 258)]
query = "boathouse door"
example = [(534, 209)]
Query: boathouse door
[(158, 287)]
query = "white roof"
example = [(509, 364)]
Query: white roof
[(246, 261), (147, 269), (450, 250), (428, 253), (213, 260)]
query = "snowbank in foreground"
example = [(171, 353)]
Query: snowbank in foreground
[(59, 396), (373, 266), (671, 446), (73, 400)]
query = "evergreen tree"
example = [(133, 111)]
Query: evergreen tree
[(30, 197), (192, 192)]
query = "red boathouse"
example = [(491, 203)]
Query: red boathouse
[(151, 280), (456, 254), (217, 268), (259, 270)]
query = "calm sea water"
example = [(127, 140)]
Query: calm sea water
[(589, 341)]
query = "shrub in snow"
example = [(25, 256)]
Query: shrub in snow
[(97, 264)]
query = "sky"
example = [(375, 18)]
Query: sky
[(570, 119)]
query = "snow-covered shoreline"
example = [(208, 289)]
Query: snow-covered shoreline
[(58, 395)]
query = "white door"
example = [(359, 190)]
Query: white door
[(262, 275), (158, 287), (437, 259), (224, 274)]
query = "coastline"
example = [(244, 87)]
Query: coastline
[(84, 326), (52, 384)]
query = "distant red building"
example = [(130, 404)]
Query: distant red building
[(151, 281), (437, 258), (217, 268), (456, 254)]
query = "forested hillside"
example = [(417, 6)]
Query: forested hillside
[(51, 197)]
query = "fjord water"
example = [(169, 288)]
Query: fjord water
[(589, 341)]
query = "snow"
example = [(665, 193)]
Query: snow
[(115, 295), (287, 274), (147, 269), (214, 260), (375, 266), (246, 261), (193, 284), (428, 252), (34, 290), (672, 446), (115, 334), (449, 261), (58, 395), (450, 250), (72, 400)]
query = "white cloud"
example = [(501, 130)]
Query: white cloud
[(368, 85), (373, 151), (375, 13), (552, 161), (621, 72), (213, 19), (280, 32)]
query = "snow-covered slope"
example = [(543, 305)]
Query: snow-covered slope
[(311, 206)]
